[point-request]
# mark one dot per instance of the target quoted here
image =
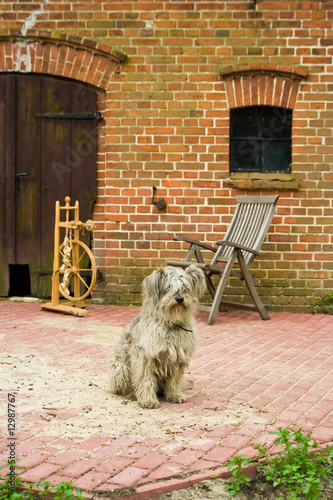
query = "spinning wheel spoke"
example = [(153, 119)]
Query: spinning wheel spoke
[(82, 280), (78, 262)]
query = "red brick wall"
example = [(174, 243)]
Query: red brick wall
[(166, 124)]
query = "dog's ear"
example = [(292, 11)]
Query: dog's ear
[(151, 286), (198, 279)]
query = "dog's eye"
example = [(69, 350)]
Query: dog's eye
[(166, 289)]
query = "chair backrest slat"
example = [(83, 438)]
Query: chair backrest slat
[(249, 226)]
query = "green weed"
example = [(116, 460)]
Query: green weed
[(300, 468), (237, 478), (11, 483), (324, 301)]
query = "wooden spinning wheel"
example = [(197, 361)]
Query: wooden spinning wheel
[(74, 267)]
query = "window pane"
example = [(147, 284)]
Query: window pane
[(275, 123), (260, 139), (244, 122), (276, 156), (244, 156)]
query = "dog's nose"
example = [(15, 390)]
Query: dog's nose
[(179, 300)]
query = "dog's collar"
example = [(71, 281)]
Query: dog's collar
[(175, 325)]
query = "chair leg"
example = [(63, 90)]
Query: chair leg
[(221, 287), (253, 292), (209, 283), (210, 286), (212, 291)]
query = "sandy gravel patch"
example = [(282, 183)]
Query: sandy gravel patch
[(71, 392)]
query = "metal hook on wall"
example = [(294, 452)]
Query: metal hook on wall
[(160, 204)]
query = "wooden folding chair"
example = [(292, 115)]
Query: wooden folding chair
[(240, 246)]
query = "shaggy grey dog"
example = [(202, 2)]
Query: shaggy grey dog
[(155, 349)]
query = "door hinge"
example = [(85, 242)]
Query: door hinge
[(72, 116)]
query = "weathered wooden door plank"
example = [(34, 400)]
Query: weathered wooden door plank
[(27, 187), (83, 145), (55, 167), (4, 270), (10, 161)]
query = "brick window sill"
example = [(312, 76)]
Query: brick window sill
[(255, 181)]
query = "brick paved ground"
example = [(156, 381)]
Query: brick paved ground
[(250, 377)]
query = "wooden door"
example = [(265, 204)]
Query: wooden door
[(47, 151)]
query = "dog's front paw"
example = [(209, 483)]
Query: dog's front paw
[(149, 404), (176, 398)]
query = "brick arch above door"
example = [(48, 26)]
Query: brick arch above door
[(262, 84), (69, 57)]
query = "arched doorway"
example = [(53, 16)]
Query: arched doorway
[(47, 151)]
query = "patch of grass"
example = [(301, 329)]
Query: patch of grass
[(300, 468)]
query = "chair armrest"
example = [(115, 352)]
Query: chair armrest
[(195, 242), (239, 247)]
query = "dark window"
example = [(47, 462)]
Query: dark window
[(260, 139)]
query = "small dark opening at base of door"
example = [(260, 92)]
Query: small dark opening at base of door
[(19, 280)]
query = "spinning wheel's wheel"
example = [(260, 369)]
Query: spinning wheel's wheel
[(77, 263)]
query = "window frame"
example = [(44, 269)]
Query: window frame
[(254, 144)]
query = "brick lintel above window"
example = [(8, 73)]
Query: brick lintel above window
[(259, 84)]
